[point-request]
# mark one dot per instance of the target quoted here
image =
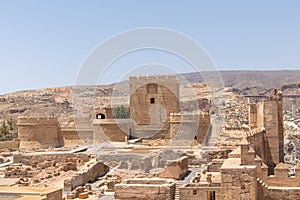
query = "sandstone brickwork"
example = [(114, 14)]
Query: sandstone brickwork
[(39, 132), (153, 98), (145, 189)]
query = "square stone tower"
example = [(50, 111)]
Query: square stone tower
[(153, 98), (273, 124), (267, 115)]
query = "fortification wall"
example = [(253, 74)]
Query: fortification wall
[(111, 130), (72, 136), (35, 132), (194, 126), (257, 139), (280, 185)]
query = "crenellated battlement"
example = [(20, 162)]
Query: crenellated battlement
[(153, 78), (25, 120), (184, 116), (255, 132), (281, 177)]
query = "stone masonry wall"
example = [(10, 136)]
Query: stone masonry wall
[(153, 98), (10, 144), (145, 189), (39, 132), (111, 130)]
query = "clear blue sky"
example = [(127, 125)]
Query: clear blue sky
[(43, 43)]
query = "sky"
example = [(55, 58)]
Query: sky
[(44, 43)]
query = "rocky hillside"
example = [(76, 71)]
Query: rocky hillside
[(252, 82)]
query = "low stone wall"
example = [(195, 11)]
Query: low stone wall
[(175, 168), (91, 174), (33, 158), (48, 193), (215, 165), (196, 192), (9, 144), (111, 129), (145, 189), (72, 136)]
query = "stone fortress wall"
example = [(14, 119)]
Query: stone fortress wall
[(40, 132)]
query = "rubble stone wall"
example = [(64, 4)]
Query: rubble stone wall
[(239, 183), (33, 158)]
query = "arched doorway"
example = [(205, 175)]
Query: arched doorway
[(100, 116)]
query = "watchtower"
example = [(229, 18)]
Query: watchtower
[(153, 98)]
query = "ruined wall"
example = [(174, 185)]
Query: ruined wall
[(33, 159), (39, 132), (175, 168), (152, 189), (111, 130), (94, 171), (153, 98)]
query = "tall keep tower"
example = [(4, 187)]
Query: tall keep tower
[(153, 98)]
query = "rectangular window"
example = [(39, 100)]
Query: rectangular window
[(152, 100)]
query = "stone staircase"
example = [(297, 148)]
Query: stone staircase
[(177, 186)]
